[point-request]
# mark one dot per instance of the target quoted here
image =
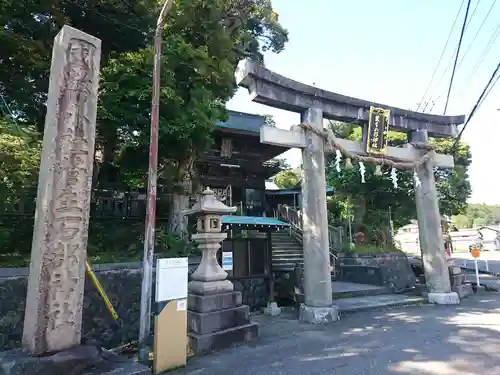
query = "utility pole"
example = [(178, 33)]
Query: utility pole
[(149, 237)]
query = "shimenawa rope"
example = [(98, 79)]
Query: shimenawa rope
[(331, 140)]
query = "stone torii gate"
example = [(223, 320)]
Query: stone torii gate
[(314, 105)]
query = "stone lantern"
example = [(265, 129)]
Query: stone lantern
[(216, 315), (209, 277)]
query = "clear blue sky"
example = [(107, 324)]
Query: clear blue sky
[(336, 45)]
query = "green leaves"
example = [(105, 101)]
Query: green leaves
[(378, 193), (288, 178)]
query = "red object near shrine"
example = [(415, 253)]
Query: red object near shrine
[(448, 252)]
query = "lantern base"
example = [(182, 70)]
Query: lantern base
[(450, 298), (210, 287)]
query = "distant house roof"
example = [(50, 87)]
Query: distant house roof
[(252, 220), (247, 122)]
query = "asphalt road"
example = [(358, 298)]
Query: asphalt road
[(425, 340)]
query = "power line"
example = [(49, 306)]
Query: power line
[(110, 18), (456, 57), (483, 54), (477, 33), (487, 89), (441, 57), (492, 86), (443, 75)]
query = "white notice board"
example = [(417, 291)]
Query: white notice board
[(171, 279), (227, 260)]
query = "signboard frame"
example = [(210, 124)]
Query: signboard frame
[(377, 131)]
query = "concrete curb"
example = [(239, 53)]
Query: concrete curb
[(410, 301)]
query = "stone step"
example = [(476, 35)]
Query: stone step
[(210, 322), (227, 338), (350, 305), (288, 267), (287, 255), (287, 251), (284, 239), (359, 293), (287, 243), (290, 260), (288, 247)]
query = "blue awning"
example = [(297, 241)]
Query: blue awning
[(252, 220), (329, 191)]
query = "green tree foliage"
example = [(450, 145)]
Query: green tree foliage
[(27, 35), (30, 26), (477, 215), (372, 200), (203, 42), (200, 54), (19, 160), (288, 178)]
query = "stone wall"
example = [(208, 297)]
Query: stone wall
[(386, 269), (122, 283)]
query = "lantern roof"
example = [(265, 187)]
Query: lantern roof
[(209, 204)]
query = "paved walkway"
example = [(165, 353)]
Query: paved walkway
[(425, 340)]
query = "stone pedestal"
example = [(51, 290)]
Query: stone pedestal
[(450, 298), (216, 317), (458, 283), (318, 315), (218, 321)]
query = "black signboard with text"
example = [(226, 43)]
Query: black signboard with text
[(378, 127)]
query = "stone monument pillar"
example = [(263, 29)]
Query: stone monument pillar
[(53, 318), (216, 317)]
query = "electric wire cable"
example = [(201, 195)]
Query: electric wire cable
[(456, 57), (487, 89), (441, 57), (443, 75), (477, 33), (472, 72), (482, 56)]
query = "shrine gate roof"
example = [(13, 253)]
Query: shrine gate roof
[(272, 89)]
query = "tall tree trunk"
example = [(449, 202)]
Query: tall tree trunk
[(108, 172), (359, 205)]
